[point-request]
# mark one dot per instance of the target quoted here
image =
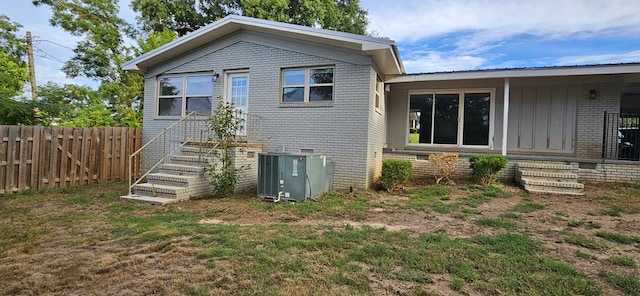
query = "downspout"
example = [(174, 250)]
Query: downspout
[(505, 116)]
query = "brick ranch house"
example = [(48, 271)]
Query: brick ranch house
[(348, 96)]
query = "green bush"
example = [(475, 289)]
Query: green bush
[(485, 167), (395, 172)]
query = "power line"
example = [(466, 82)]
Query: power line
[(48, 58), (52, 42), (47, 55)]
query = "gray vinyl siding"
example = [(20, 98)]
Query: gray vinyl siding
[(340, 130), (542, 118)]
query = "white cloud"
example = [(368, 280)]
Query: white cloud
[(627, 57), (411, 21), (470, 34), (438, 62)]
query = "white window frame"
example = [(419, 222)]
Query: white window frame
[(460, 132), (379, 96), (307, 85), (184, 95)]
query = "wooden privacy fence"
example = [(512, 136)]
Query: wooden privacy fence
[(40, 157)]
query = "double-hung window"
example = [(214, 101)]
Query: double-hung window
[(302, 85), (179, 95), (461, 118)]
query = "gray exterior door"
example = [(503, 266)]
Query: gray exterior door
[(542, 119)]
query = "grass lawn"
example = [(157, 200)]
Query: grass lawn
[(427, 240), (414, 138)]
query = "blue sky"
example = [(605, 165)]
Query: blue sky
[(435, 35)]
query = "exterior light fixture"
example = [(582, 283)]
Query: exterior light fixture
[(593, 94), (215, 77)]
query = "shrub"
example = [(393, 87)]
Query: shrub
[(445, 166), (485, 167), (395, 172), (225, 125)]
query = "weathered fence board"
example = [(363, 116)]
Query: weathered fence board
[(36, 157)]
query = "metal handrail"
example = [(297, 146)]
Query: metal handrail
[(191, 131), (184, 122)]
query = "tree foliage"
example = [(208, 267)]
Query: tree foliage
[(99, 55), (13, 69), (73, 105), (100, 52), (340, 15)]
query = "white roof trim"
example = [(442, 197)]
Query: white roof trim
[(602, 69), (232, 23)]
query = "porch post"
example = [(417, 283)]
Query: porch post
[(505, 116)]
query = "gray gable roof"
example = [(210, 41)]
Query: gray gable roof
[(383, 51)]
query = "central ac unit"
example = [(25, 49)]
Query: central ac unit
[(293, 177)]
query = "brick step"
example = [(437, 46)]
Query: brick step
[(165, 191), (155, 200), (542, 166), (555, 191), (188, 160), (171, 179), (194, 150), (547, 176), (555, 184), (180, 169)]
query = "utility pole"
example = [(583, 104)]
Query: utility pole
[(32, 69)]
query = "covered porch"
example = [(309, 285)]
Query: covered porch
[(554, 114)]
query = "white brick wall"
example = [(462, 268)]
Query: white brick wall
[(603, 172), (590, 117), (611, 172), (341, 131), (423, 169), (247, 156), (376, 138)]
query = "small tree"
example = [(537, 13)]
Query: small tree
[(226, 123), (394, 173), (485, 167), (445, 166)]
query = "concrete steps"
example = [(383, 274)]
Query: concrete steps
[(548, 178), (156, 200), (182, 178)]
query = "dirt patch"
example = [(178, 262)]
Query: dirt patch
[(549, 226), (80, 246)]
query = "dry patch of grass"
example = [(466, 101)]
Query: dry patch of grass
[(429, 238)]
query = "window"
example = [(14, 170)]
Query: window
[(307, 85), (379, 93), (179, 95), (459, 118)]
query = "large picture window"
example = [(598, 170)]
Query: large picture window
[(459, 118), (307, 85), (179, 95)]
